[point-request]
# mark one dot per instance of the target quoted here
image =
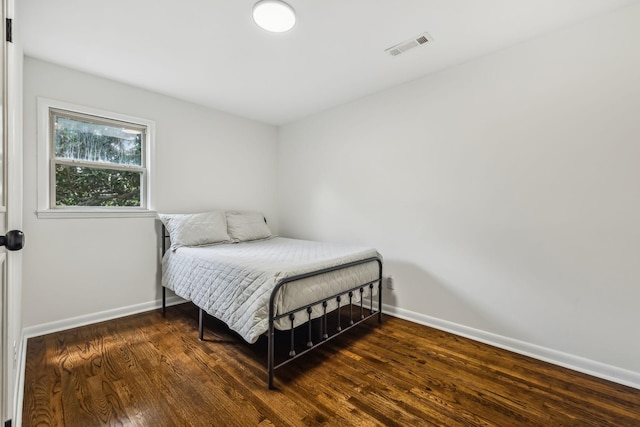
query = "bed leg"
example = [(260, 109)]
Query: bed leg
[(380, 301), (164, 301), (380, 291), (201, 325), (270, 352)]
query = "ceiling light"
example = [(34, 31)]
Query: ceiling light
[(274, 15)]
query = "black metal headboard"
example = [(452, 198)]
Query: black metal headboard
[(165, 239)]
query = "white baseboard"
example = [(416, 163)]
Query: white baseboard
[(74, 322), (570, 361)]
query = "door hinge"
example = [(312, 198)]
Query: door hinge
[(9, 33), (7, 423)]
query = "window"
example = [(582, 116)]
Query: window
[(92, 163)]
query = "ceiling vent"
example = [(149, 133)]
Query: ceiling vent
[(400, 48)]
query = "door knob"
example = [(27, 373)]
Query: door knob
[(14, 240)]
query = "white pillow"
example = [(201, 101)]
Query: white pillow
[(244, 226), (196, 229)]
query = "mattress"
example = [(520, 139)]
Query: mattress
[(233, 282)]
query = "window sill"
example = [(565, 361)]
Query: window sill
[(95, 213)]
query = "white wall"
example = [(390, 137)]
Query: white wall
[(204, 159), (504, 193)]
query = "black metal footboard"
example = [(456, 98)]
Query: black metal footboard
[(325, 336)]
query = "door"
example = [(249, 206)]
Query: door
[(4, 368), (10, 217)]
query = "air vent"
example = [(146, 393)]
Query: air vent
[(420, 40)]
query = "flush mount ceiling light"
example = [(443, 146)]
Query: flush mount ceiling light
[(274, 15)]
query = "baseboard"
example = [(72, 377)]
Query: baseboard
[(74, 322), (570, 361)]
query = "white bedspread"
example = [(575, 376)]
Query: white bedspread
[(233, 282)]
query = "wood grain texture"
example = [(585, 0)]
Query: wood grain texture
[(150, 370)]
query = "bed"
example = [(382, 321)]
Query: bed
[(232, 268)]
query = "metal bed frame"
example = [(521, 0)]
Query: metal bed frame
[(325, 335)]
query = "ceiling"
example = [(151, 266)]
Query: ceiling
[(211, 53)]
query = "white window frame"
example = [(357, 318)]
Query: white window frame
[(46, 178)]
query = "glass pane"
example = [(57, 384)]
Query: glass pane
[(78, 139), (82, 186)]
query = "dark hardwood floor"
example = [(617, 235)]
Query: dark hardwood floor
[(148, 370)]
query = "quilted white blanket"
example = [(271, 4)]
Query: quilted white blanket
[(233, 282)]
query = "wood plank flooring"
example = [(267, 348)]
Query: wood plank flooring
[(150, 370)]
